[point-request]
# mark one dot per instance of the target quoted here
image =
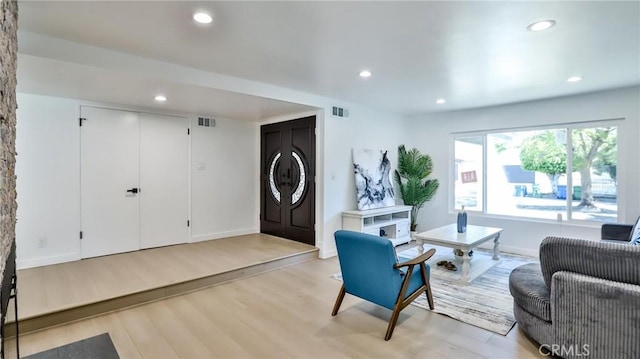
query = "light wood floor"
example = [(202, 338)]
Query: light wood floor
[(52, 288), (284, 313)]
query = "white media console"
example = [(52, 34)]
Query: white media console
[(392, 223)]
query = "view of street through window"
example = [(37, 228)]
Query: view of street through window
[(526, 173)]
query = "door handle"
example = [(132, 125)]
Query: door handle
[(133, 190)]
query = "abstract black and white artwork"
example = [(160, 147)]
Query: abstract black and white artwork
[(373, 179)]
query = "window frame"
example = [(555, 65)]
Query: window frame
[(569, 127)]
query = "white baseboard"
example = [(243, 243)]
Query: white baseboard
[(512, 249), (218, 235), (520, 251), (45, 261), (328, 254)]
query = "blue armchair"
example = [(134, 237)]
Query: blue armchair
[(370, 270)]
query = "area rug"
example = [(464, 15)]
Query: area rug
[(98, 347), (485, 303)]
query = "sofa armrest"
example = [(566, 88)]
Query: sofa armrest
[(595, 317), (606, 260), (616, 232)]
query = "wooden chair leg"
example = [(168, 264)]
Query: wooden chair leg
[(338, 301), (392, 322), (429, 295), (427, 284), (400, 304)]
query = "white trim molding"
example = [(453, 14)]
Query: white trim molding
[(225, 234), (45, 261)]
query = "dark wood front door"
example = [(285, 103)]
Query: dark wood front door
[(287, 179)]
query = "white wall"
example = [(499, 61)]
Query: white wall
[(48, 184), (364, 128), (224, 179), (223, 189), (432, 134)]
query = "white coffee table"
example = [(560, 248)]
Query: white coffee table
[(448, 236)]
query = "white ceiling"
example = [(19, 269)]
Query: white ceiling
[(473, 54), (63, 79)]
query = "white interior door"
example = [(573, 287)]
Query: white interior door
[(109, 168), (164, 158)]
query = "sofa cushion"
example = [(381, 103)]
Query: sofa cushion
[(529, 291)]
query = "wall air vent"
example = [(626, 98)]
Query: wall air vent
[(206, 122), (340, 112)]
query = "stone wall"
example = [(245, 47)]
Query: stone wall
[(8, 63)]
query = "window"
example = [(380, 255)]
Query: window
[(469, 170), (549, 173)]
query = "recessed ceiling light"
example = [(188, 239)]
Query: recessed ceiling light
[(202, 17), (574, 78), (160, 98), (541, 25), (440, 101), (365, 73)]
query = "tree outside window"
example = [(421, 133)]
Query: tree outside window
[(527, 173)]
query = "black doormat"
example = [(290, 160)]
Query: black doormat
[(98, 347)]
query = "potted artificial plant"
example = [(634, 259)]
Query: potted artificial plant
[(411, 176)]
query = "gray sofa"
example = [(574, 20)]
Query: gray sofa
[(582, 300)]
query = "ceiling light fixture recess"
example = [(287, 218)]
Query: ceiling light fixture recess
[(541, 25), (440, 101), (202, 17), (574, 79), (160, 98), (365, 73)]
